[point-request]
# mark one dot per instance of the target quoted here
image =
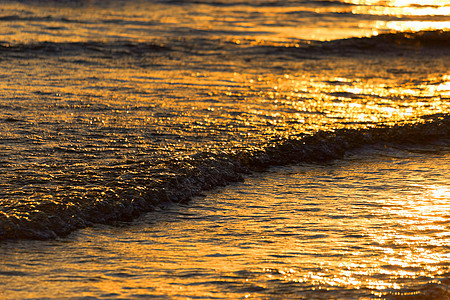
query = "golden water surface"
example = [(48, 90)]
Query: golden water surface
[(102, 101)]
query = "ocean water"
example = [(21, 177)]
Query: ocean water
[(371, 225), (122, 121)]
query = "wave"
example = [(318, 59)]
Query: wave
[(203, 171), (113, 49), (395, 41), (437, 41), (63, 20), (431, 290), (367, 17)]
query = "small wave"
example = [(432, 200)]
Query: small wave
[(368, 17), (46, 19), (397, 40), (20, 18), (62, 20), (383, 44), (433, 290), (399, 43), (200, 172), (114, 48)]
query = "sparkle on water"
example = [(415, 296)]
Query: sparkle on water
[(103, 115), (289, 233), (275, 23)]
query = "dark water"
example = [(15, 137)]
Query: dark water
[(110, 109)]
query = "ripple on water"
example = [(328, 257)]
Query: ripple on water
[(391, 246)]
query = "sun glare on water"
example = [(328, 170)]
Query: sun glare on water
[(405, 11), (440, 192)]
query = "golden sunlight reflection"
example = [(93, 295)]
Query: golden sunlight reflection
[(276, 23), (126, 106), (437, 13), (414, 25), (330, 228)]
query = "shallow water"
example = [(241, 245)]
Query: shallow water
[(113, 109), (93, 126), (374, 224)]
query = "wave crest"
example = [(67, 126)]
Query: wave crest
[(420, 39), (200, 172)]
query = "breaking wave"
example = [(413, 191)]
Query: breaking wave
[(204, 171)]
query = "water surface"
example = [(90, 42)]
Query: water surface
[(114, 111), (374, 224)]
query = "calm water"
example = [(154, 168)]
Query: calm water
[(116, 110)]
